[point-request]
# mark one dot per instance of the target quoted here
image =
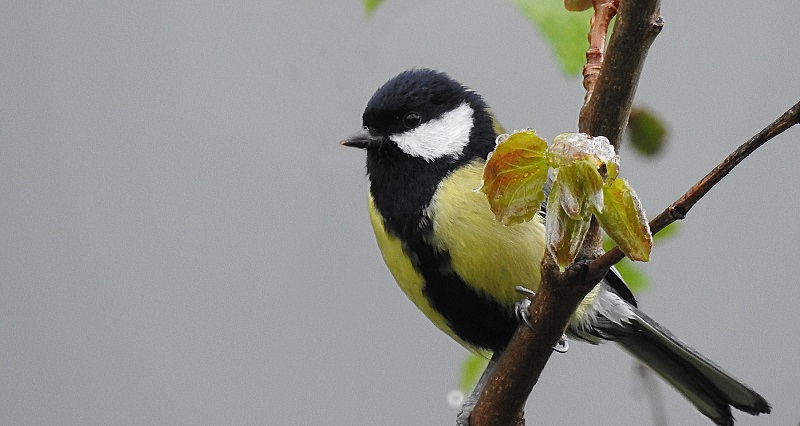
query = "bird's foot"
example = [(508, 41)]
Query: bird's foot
[(562, 346), (521, 310)]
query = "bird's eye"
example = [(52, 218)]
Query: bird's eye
[(412, 120)]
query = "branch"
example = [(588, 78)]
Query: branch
[(527, 353), (679, 209), (605, 113)]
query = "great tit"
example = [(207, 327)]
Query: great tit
[(427, 138)]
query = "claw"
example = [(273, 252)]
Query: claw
[(526, 291), (521, 311), (562, 346)]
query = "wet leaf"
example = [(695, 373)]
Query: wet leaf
[(624, 221), (564, 234), (514, 175), (569, 148), (581, 189)]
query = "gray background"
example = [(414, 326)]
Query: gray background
[(184, 242)]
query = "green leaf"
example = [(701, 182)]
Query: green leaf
[(564, 234), (471, 370), (646, 132), (565, 31), (581, 189), (371, 5), (514, 175), (576, 158), (624, 221)]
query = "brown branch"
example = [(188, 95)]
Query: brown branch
[(605, 113), (679, 209), (522, 362)]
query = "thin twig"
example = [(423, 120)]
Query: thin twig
[(679, 209), (604, 12), (606, 112)]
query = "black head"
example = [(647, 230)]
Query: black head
[(427, 116), (418, 127)]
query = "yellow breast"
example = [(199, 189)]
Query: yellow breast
[(487, 255)]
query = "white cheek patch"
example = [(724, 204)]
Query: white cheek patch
[(444, 136)]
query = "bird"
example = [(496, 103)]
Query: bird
[(427, 138)]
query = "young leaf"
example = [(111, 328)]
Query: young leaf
[(514, 175), (564, 234), (624, 221), (568, 148), (565, 31), (581, 189)]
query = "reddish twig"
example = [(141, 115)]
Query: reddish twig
[(606, 112), (604, 12)]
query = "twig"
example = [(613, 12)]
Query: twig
[(679, 209), (606, 112), (604, 11)]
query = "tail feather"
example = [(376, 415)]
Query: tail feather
[(703, 383)]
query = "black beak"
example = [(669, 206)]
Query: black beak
[(363, 139)]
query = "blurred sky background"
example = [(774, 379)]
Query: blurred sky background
[(183, 240)]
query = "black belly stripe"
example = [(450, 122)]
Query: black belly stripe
[(478, 320)]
